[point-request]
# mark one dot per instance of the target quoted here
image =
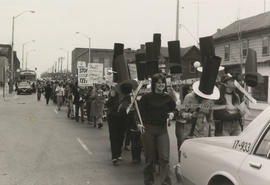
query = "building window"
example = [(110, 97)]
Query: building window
[(265, 46), (244, 48), (96, 60), (101, 60), (260, 92), (227, 52)]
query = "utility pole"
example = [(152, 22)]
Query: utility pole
[(198, 20), (55, 68), (89, 57), (177, 21), (61, 60), (4, 80), (12, 59), (58, 68)]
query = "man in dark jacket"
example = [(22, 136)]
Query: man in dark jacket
[(79, 103), (48, 92)]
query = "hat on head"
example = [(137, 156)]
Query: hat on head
[(126, 86), (206, 88), (226, 78)]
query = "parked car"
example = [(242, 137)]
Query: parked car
[(24, 88), (237, 160)]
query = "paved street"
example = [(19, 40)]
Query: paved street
[(40, 146)]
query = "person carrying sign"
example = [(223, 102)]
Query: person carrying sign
[(116, 126), (229, 118)]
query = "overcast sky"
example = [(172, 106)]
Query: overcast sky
[(131, 22)]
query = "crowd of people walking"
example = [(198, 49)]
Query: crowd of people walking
[(145, 125)]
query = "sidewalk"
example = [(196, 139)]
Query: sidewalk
[(7, 95)]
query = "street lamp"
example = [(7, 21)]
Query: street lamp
[(89, 40), (67, 56), (12, 47), (23, 50), (27, 57)]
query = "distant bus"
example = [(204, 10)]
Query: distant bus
[(27, 75)]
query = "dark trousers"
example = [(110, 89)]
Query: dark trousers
[(77, 107), (127, 137), (218, 128), (47, 100), (182, 132), (117, 131), (38, 96), (88, 110), (136, 145), (156, 140)]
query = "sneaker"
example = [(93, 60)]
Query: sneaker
[(120, 158), (115, 162), (100, 125)]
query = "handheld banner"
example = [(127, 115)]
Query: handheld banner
[(95, 73), (81, 64), (133, 71), (82, 77)]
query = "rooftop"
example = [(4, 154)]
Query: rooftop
[(257, 22)]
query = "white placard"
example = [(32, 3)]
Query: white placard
[(133, 71), (108, 74), (83, 77), (95, 72), (81, 64)]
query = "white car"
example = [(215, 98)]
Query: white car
[(240, 160)]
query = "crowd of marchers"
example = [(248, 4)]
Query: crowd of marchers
[(81, 102), (145, 126)]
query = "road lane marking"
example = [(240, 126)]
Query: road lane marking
[(84, 146), (56, 112)]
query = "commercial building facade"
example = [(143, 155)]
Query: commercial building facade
[(232, 43)]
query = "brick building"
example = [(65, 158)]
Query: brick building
[(5, 51)]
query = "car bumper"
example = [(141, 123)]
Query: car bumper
[(24, 91)]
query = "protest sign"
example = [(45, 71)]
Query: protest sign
[(95, 73), (133, 71), (82, 77), (81, 64)]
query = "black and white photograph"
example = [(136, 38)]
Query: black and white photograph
[(134, 92)]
